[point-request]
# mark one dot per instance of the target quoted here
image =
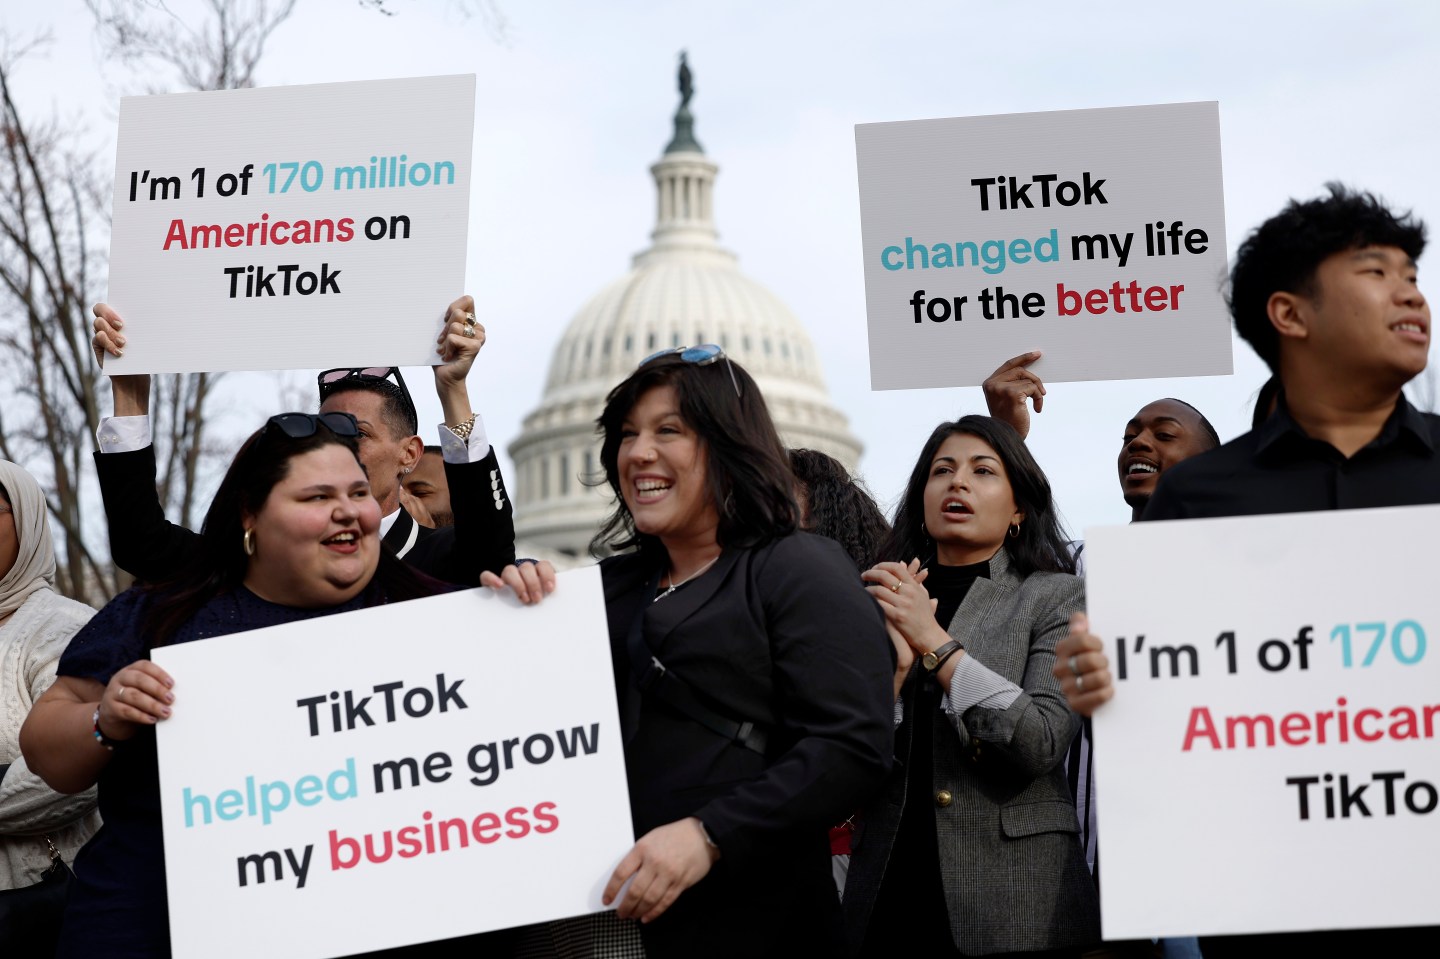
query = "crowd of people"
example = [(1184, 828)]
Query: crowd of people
[(787, 662)]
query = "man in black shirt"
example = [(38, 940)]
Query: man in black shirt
[(1326, 293)]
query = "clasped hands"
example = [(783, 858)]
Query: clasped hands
[(909, 611)]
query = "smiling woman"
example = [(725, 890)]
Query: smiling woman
[(751, 668), (291, 535)]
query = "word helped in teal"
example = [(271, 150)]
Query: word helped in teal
[(267, 799)]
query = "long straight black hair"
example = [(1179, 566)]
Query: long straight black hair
[(1041, 545), (263, 461), (747, 473)]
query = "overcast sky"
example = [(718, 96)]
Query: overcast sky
[(574, 104)]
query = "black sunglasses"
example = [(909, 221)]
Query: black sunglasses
[(702, 355), (297, 426)]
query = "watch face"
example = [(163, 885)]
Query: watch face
[(928, 660)]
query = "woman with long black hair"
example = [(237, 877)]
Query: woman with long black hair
[(972, 849)]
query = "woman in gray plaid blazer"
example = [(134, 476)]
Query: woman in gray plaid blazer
[(972, 847)]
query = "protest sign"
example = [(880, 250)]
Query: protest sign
[(1095, 236), (390, 776), (1269, 761), (290, 227)]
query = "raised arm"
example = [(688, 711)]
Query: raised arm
[(483, 537), (1007, 389), (142, 541)]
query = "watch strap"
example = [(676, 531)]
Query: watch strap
[(934, 659)]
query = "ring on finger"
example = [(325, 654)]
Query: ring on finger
[(469, 331), (121, 693), (896, 587), (1074, 666), (1079, 683)]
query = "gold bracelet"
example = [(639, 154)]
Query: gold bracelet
[(463, 428)]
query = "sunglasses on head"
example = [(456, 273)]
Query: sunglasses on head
[(297, 426), (702, 355), (330, 380)]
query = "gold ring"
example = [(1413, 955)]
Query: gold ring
[(896, 587), (469, 331)]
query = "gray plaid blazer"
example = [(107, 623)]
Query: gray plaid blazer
[(1010, 857)]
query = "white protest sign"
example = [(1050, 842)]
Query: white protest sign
[(396, 775), (290, 227), (1096, 236), (1269, 762)]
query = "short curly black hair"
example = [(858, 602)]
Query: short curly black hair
[(1283, 253), (837, 506)]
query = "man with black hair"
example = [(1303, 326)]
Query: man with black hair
[(145, 544), (1326, 293), (425, 491), (1160, 435)]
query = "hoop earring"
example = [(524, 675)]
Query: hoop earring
[(1014, 530), (249, 542)]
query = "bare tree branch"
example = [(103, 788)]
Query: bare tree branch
[(222, 53), (53, 214), (49, 381)]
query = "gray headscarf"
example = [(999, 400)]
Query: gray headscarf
[(34, 568)]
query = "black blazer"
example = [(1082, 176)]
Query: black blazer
[(151, 548), (782, 635)]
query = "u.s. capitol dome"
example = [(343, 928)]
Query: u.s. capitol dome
[(684, 290)]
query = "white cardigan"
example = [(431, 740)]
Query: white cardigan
[(31, 642)]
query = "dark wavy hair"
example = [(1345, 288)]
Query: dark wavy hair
[(747, 471), (1041, 545), (1283, 252), (838, 507), (263, 461)]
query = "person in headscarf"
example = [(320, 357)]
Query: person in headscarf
[(35, 625)]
